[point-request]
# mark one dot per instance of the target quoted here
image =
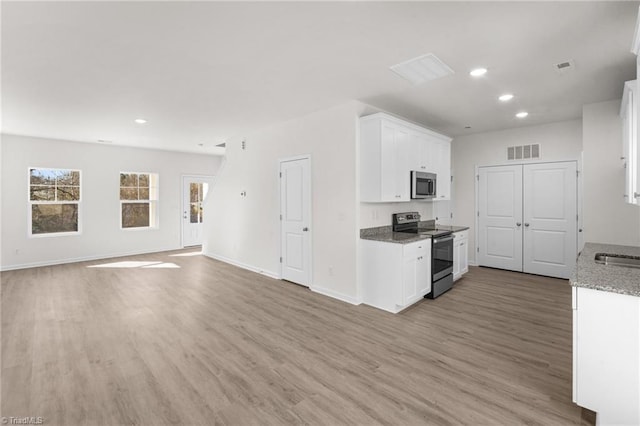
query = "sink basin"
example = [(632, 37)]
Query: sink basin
[(618, 260)]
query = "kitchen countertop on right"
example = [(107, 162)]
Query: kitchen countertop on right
[(611, 278)]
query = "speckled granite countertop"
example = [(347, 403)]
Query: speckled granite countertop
[(386, 235), (612, 278)]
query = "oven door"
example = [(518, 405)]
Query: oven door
[(442, 257)]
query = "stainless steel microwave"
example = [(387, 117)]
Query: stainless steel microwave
[(423, 185)]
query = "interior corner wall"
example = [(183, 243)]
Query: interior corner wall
[(558, 142), (607, 217), (246, 232), (100, 165)]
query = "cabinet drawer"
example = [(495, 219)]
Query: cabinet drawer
[(462, 235), (416, 249)]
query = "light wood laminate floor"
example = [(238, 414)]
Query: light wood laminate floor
[(208, 343)]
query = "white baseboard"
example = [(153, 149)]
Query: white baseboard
[(251, 268), (320, 290), (336, 295), (471, 263), (82, 259)]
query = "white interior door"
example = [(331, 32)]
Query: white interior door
[(295, 215), (500, 217), (550, 219), (194, 191)]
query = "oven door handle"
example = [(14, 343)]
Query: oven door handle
[(442, 239)]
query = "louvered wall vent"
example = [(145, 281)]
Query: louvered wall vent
[(523, 152)]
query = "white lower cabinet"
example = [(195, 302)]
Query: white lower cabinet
[(395, 276), (606, 355), (460, 254)]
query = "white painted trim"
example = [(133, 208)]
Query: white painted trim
[(312, 229), (335, 295), (251, 268), (475, 218), (83, 259), (472, 263)]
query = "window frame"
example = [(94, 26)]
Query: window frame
[(154, 216), (31, 202)]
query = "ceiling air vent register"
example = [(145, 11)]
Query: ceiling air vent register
[(423, 68), (523, 152)]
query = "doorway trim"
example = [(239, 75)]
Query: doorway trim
[(211, 180), (279, 167)]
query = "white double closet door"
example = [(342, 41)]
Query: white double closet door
[(527, 218)]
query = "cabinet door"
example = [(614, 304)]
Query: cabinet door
[(394, 163), (416, 273), (423, 273), (409, 279), (442, 156), (456, 256), (420, 150), (463, 256), (630, 153)]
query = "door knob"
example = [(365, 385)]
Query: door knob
[(518, 224), (305, 229), (526, 224)]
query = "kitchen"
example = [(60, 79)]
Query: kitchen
[(466, 126)]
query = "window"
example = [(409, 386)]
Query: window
[(54, 198), (138, 199)]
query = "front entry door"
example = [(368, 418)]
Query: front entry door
[(194, 191), (295, 216), (550, 219), (500, 217)]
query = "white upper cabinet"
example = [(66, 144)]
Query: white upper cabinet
[(632, 185), (390, 148), (393, 163), (421, 149), (442, 168), (630, 155)]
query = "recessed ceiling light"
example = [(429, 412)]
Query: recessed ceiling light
[(506, 97), (478, 72), (522, 114), (140, 120)]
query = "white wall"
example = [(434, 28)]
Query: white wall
[(246, 231), (558, 141), (379, 214), (607, 217), (100, 165)]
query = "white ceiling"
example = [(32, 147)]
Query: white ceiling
[(202, 72)]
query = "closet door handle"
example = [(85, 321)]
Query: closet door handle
[(526, 224), (518, 224)]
